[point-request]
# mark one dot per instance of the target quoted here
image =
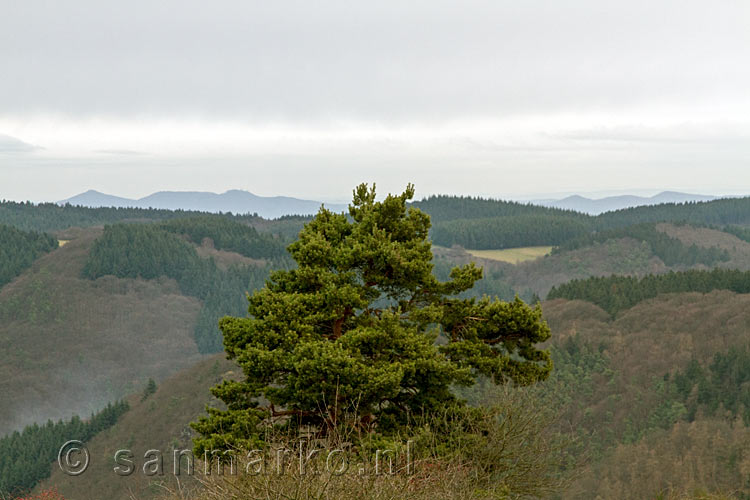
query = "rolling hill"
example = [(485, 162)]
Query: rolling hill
[(619, 255), (71, 345), (91, 320), (611, 386), (616, 383), (637, 390)]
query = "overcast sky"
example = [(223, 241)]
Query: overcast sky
[(515, 99)]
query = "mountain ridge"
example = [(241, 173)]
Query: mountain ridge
[(596, 206), (234, 200), (239, 201)]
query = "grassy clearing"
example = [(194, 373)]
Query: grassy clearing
[(512, 255)]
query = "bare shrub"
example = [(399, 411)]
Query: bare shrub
[(505, 450)]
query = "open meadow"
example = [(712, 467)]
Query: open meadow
[(512, 255)]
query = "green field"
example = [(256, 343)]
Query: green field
[(512, 255)]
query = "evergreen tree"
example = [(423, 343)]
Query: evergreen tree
[(149, 389), (618, 293), (19, 249), (149, 251), (350, 337), (27, 456), (227, 234)]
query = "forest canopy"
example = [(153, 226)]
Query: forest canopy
[(150, 251), (618, 293), (19, 249)]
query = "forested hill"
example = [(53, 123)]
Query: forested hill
[(27, 455), (48, 217), (478, 223), (618, 293), (670, 250), (508, 232), (150, 251), (470, 222), (227, 235), (19, 249), (446, 208), (52, 217), (716, 212)]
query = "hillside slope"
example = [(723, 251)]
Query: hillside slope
[(614, 382), (609, 386), (19, 249), (623, 256), (739, 250), (159, 422), (70, 345)]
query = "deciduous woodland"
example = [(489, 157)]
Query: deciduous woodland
[(615, 366)]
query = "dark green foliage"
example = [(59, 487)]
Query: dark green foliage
[(717, 212), (617, 293), (741, 232), (27, 456), (478, 223), (286, 226), (721, 385), (223, 293), (140, 251), (53, 217), (509, 232), (576, 363), (149, 389), (227, 235), (493, 283), (443, 208), (348, 338), (148, 251), (670, 250), (19, 249), (579, 367)]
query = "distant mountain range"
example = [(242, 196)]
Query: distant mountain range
[(235, 201), (243, 202), (597, 206)]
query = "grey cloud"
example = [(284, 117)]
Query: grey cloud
[(557, 69), (388, 60), (707, 133), (9, 144), (120, 152)]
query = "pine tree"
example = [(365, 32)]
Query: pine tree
[(149, 389), (361, 334)]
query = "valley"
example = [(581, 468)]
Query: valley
[(76, 335)]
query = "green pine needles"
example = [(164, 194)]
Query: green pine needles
[(361, 334)]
